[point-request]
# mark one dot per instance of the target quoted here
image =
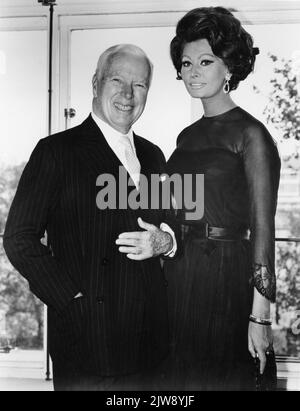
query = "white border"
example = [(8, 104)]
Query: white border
[(73, 15)]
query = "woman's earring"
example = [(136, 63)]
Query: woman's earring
[(179, 77), (226, 87)]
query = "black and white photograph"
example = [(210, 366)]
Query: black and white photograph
[(149, 198)]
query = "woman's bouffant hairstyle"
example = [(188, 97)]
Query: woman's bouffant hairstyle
[(226, 36)]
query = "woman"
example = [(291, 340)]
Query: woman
[(220, 290)]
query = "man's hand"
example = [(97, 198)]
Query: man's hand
[(141, 245)]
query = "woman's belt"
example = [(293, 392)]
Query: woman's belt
[(205, 231)]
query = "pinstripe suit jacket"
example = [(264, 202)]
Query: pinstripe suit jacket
[(120, 326)]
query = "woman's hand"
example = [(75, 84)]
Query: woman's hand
[(260, 341)]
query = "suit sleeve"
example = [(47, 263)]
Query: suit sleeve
[(27, 221), (262, 168)]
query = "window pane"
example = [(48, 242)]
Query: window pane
[(21, 313), (23, 93), (168, 108), (283, 42), (287, 308), (23, 108)]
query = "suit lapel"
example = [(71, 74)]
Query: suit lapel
[(146, 157), (93, 151), (96, 156)]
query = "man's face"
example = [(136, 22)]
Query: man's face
[(120, 92)]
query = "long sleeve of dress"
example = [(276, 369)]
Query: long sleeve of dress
[(262, 168), (27, 221)]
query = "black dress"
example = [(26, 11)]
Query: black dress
[(211, 286)]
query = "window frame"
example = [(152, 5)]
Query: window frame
[(20, 23)]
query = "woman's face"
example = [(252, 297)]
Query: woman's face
[(203, 73)]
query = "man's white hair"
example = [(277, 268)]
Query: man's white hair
[(120, 49)]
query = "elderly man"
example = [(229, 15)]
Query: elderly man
[(106, 296)]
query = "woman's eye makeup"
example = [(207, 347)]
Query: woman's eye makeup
[(206, 62), (186, 63)]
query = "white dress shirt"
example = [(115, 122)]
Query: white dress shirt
[(112, 137)]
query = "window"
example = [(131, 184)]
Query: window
[(283, 42), (23, 107)]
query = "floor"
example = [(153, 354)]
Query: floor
[(22, 370), (22, 384)]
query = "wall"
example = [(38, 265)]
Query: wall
[(9, 7)]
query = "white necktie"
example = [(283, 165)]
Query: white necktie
[(132, 165)]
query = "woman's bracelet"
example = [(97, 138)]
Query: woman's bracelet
[(261, 321)]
